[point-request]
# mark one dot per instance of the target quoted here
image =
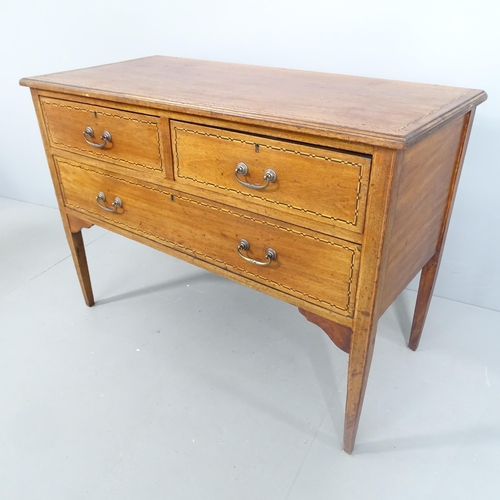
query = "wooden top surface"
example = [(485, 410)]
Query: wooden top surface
[(374, 111)]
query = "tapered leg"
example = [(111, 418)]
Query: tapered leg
[(77, 247), (425, 289), (72, 225), (365, 320), (360, 359), (430, 270)]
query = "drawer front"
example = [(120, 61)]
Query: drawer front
[(317, 269), (311, 183), (134, 142)]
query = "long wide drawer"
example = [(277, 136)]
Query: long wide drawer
[(318, 269), (314, 183), (133, 140)]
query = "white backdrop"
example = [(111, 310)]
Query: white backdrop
[(449, 42)]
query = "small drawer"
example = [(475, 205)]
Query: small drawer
[(313, 268), (302, 181), (127, 139)]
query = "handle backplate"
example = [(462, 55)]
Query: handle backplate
[(101, 198), (242, 169), (88, 133), (270, 254)]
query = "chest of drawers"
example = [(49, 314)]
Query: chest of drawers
[(326, 191)]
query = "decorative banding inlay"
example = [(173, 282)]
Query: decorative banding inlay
[(304, 119), (353, 223), (435, 110), (204, 256), (97, 153)]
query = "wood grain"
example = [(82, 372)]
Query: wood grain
[(431, 268), (381, 189), (70, 225), (317, 269), (82, 269), (340, 335), (348, 239), (419, 210), (374, 111), (205, 159), (135, 138), (76, 224)]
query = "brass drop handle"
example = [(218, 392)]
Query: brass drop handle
[(242, 169), (245, 246), (88, 133), (117, 203)]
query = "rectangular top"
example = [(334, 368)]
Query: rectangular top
[(369, 110)]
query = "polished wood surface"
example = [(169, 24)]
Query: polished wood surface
[(135, 138), (367, 311), (319, 270), (431, 268), (367, 172), (420, 204), (375, 111), (340, 335), (76, 224), (203, 156), (77, 247)]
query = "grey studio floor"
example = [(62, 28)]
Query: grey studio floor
[(179, 384)]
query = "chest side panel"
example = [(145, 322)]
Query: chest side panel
[(420, 206)]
